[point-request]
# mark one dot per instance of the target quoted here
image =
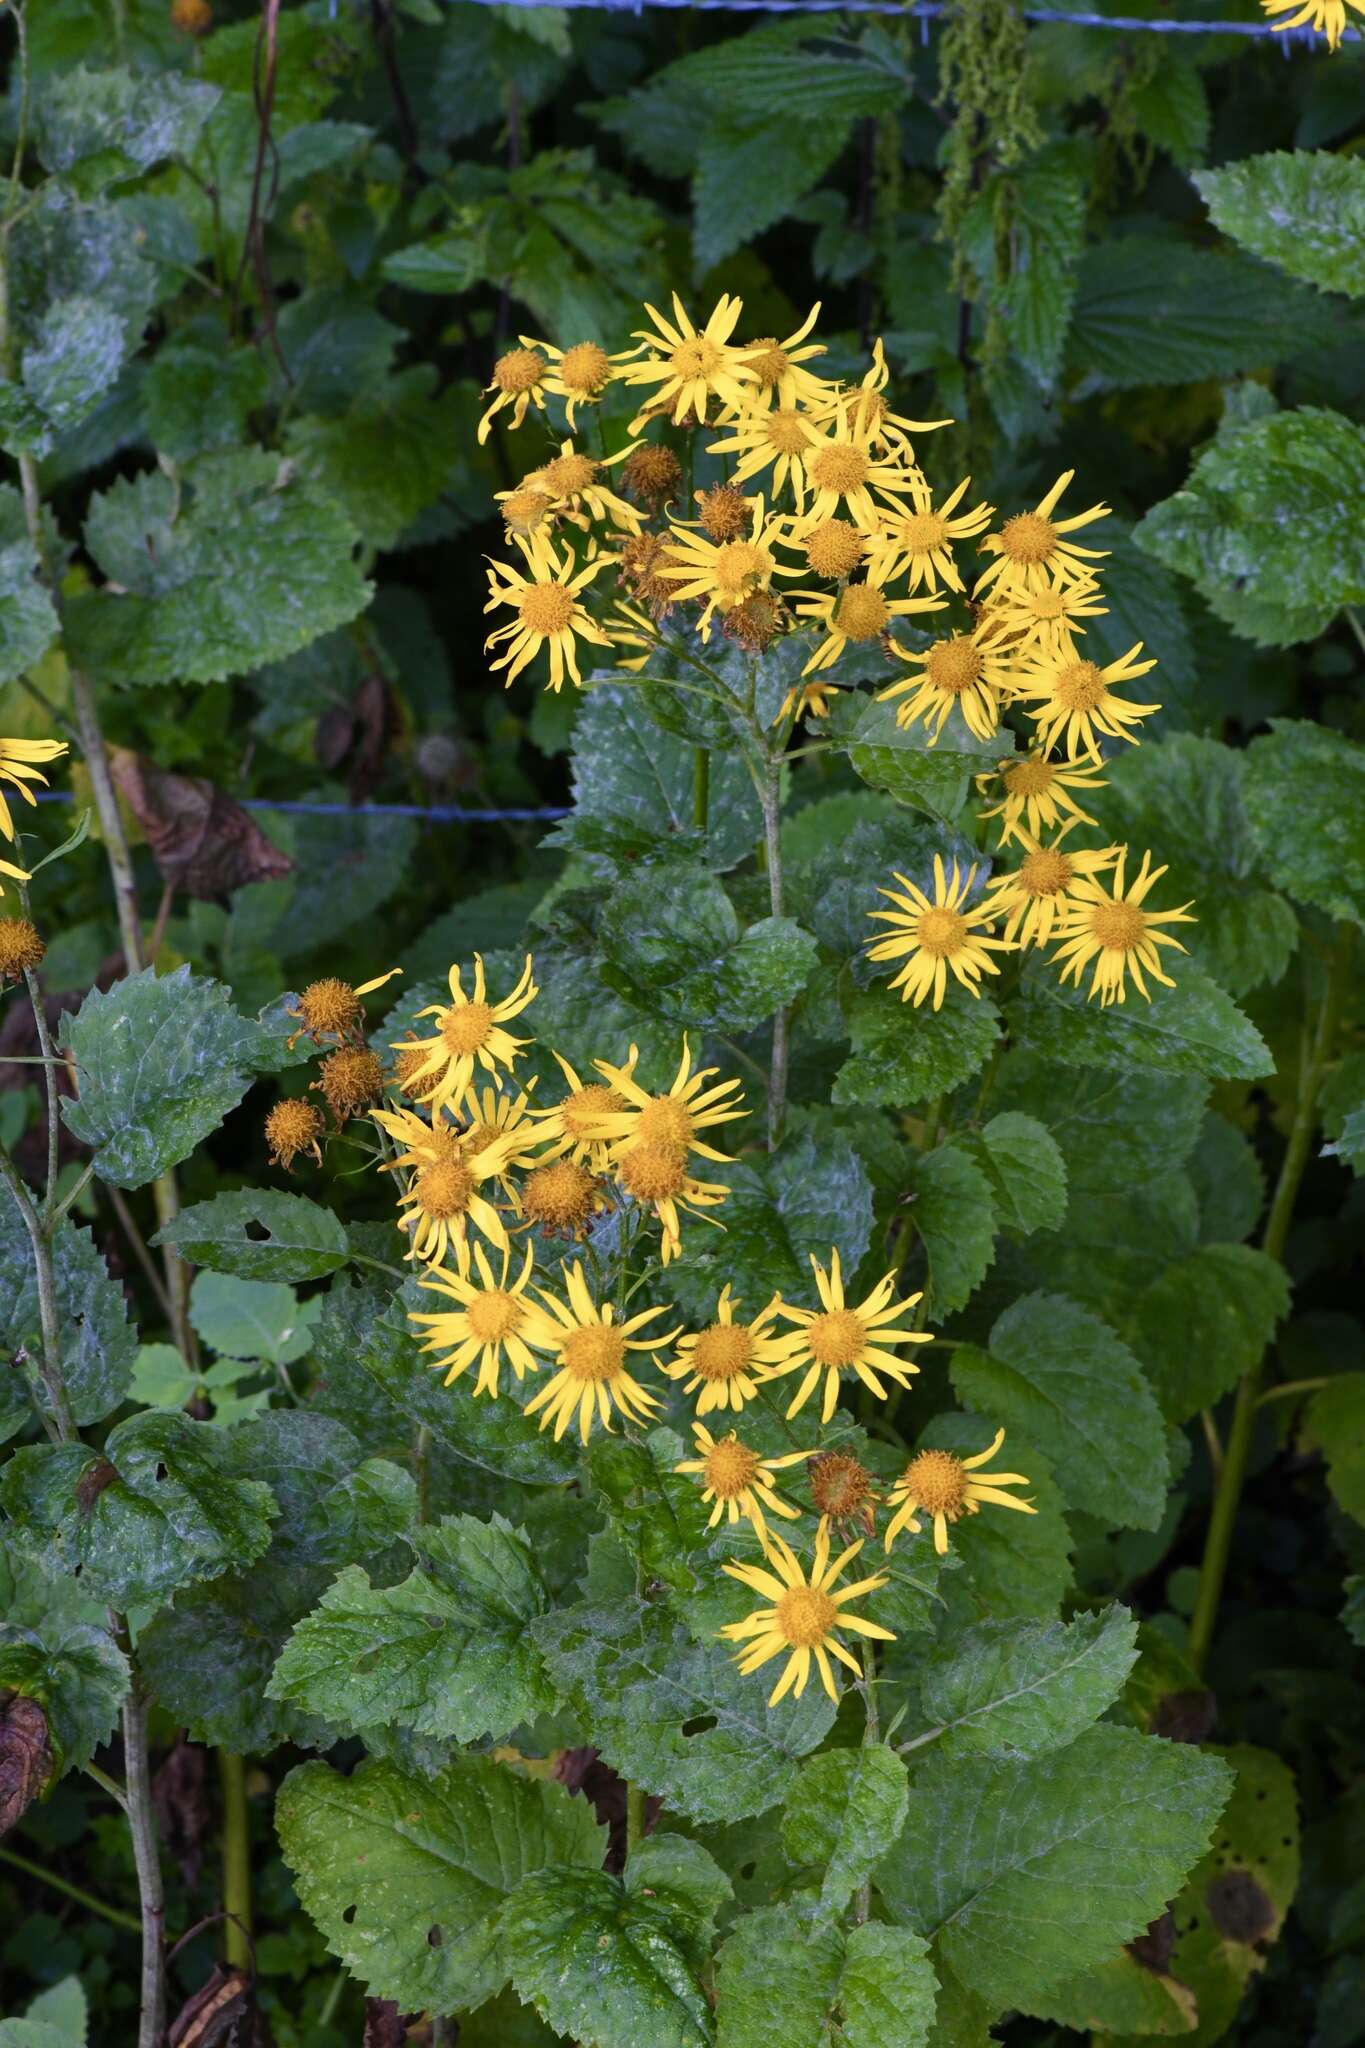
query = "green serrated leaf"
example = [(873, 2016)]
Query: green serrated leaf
[(160, 1061), (1193, 1028), (1083, 1849), (780, 1977), (843, 1810), (903, 1056), (1060, 1376), (388, 457), (1205, 1322), (673, 941), (407, 1877), (1336, 1425), (636, 1680), (445, 1653), (28, 622), (1027, 1173), (1233, 528), (1022, 1688), (954, 1219), (249, 569), (1342, 1105), (599, 1959), (97, 1342), (56, 1649), (687, 1874), (1297, 772), (887, 1988), (259, 1234), (156, 1510), (934, 779), (1302, 209), (251, 1318)]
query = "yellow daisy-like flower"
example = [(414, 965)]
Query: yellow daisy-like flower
[(671, 1119), (572, 482), (518, 381), (858, 613), (579, 374), (1041, 621), (1076, 703), (691, 365), (804, 1616), (835, 1339), (1110, 927), (933, 937), (808, 700), (738, 1480), (332, 1009), (1033, 897), (842, 470), (1039, 791), (832, 548), (655, 1174), (945, 1487), (592, 1350), (866, 403), (17, 767), (779, 366), (469, 1034), (725, 1364), (503, 1121), (724, 573), (442, 1197), (1328, 17), (1031, 549), (489, 1319), (920, 540), (770, 436), (572, 1127), (548, 607), (966, 669)]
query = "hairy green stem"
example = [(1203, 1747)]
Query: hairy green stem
[(72, 1891), (701, 787), (1228, 1491), (236, 1861), (862, 1902), (142, 1826), (50, 1365), (636, 1815)]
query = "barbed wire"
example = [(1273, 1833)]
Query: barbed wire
[(933, 10), (441, 814)]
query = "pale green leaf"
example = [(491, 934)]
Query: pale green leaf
[(1235, 529), (781, 1978), (673, 942), (887, 1989), (238, 565), (407, 1877), (1022, 1688), (1303, 210), (259, 1234), (899, 759), (1305, 797), (251, 1318), (1082, 1849), (605, 1963), (1059, 1375), (843, 1811), (95, 128), (1205, 1322)]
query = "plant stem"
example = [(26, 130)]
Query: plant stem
[(72, 1891), (236, 1861), (770, 794), (142, 1824), (421, 1460), (50, 1364), (1228, 1491), (1288, 1390), (701, 787), (636, 1813), (109, 1785), (862, 1901)]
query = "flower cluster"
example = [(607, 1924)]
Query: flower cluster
[(19, 768), (821, 484), (502, 1201)]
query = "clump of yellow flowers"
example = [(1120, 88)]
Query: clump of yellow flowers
[(824, 526), (534, 1226)]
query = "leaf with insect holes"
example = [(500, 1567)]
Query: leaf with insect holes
[(407, 1877), (259, 1234), (601, 1960)]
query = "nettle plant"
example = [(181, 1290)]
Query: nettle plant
[(687, 1525)]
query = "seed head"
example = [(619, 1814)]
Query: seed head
[(723, 512), (21, 947), (651, 475), (293, 1126), (350, 1079)]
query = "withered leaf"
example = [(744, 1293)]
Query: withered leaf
[(202, 840), (215, 2013), (385, 2026), (25, 1756), (358, 734)]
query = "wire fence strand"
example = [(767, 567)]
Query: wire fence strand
[(933, 10)]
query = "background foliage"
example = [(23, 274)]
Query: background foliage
[(242, 368)]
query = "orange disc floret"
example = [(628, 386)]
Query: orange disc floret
[(293, 1126), (351, 1079), (22, 948)]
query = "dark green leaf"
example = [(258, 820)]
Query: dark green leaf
[(902, 1056), (1060, 1376), (1205, 1322), (407, 1877), (209, 1656), (672, 939), (1193, 1028), (1336, 1424), (56, 1649), (1022, 1688), (1305, 798), (95, 128), (259, 1234), (934, 778), (97, 1342), (954, 1219), (1027, 1174), (28, 623), (1343, 1111)]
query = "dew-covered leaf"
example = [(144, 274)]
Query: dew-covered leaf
[(1302, 209), (603, 1960)]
